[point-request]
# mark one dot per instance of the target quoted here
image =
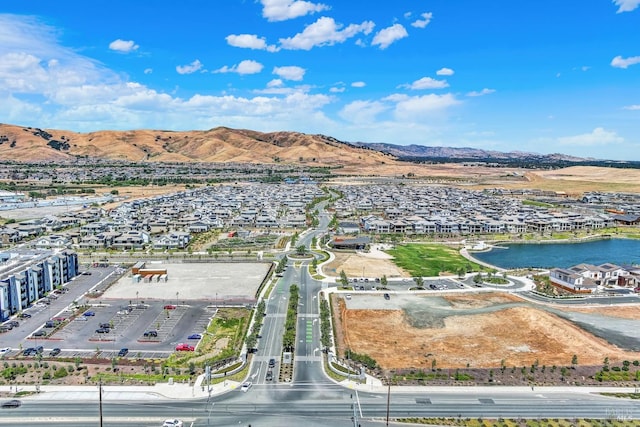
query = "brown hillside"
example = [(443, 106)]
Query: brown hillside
[(216, 145)]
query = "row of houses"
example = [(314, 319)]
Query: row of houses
[(586, 278), (448, 223), (169, 221), (432, 209), (26, 277)]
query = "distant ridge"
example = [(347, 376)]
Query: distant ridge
[(466, 153), (227, 145)]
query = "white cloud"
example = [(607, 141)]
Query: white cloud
[(124, 46), (275, 83), (445, 72), (281, 10), (626, 5), (190, 68), (275, 88), (598, 136), (362, 111), (290, 72), (426, 83), (620, 62), (420, 107), (385, 37), (421, 23), (324, 32), (247, 66), (336, 89), (358, 84), (148, 70), (249, 41), (483, 92), (635, 107)]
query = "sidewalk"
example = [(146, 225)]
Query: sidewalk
[(125, 392)]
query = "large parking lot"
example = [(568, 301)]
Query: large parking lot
[(147, 318)]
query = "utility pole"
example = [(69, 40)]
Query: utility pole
[(355, 414), (388, 399), (100, 398)]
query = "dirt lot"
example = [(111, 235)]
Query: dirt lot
[(573, 180), (373, 264), (471, 330)]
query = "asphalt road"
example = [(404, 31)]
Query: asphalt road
[(324, 405)]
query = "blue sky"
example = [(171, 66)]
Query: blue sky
[(547, 76)]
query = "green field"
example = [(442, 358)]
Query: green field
[(431, 259)]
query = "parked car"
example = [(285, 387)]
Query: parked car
[(123, 352), (172, 423), (14, 403), (102, 331), (39, 349), (170, 307), (194, 337), (14, 323), (246, 386), (387, 296), (24, 315), (89, 313), (49, 324), (4, 351), (105, 325), (150, 334), (185, 347), (54, 352), (29, 351), (39, 333)]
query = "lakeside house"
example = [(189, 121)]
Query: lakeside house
[(586, 278)]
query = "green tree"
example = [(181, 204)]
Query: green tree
[(344, 280), (419, 281)]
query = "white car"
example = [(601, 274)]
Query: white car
[(246, 386), (4, 351), (172, 423)]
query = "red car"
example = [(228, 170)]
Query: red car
[(170, 307), (185, 347)]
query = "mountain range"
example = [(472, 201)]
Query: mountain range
[(222, 144)]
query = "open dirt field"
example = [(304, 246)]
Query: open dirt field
[(374, 264), (478, 330)]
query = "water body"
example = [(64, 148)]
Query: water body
[(562, 255)]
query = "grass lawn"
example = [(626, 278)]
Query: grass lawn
[(431, 259)]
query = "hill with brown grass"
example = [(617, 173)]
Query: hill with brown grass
[(221, 144)]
